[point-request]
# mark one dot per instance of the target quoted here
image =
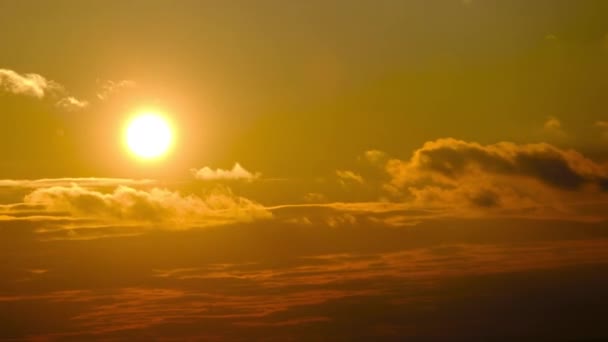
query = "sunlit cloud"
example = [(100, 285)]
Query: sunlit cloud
[(539, 179), (449, 159), (236, 173), (109, 88), (38, 86), (375, 156), (26, 84), (72, 103), (88, 182), (347, 176), (554, 126), (315, 197), (157, 205)]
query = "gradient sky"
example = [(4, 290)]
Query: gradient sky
[(388, 169)]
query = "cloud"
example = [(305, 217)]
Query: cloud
[(27, 84), (552, 123), (315, 197), (38, 86), (126, 205), (603, 125), (108, 88), (72, 103), (337, 214), (553, 128), (449, 159), (95, 182), (375, 156), (502, 179), (347, 176), (236, 173)]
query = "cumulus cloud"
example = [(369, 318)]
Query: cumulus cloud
[(27, 84), (157, 205), (507, 176), (236, 173), (450, 159)]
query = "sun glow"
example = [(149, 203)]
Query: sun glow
[(149, 135)]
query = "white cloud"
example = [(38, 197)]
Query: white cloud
[(72, 103), (236, 173), (27, 84), (38, 86)]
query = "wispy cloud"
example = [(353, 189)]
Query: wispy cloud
[(603, 125), (347, 176), (94, 182), (554, 126), (125, 204), (72, 103), (38, 86), (109, 88)]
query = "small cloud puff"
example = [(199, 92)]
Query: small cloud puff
[(108, 88), (349, 176), (72, 103), (603, 125), (375, 157), (552, 123), (236, 173)]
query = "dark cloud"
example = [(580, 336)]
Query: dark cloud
[(468, 178), (558, 168), (486, 199)]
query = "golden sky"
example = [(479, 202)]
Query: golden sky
[(303, 170)]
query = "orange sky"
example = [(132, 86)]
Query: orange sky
[(334, 170)]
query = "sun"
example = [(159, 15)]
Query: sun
[(149, 135)]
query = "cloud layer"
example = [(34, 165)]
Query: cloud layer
[(126, 204)]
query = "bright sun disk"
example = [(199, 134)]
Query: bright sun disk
[(149, 135)]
